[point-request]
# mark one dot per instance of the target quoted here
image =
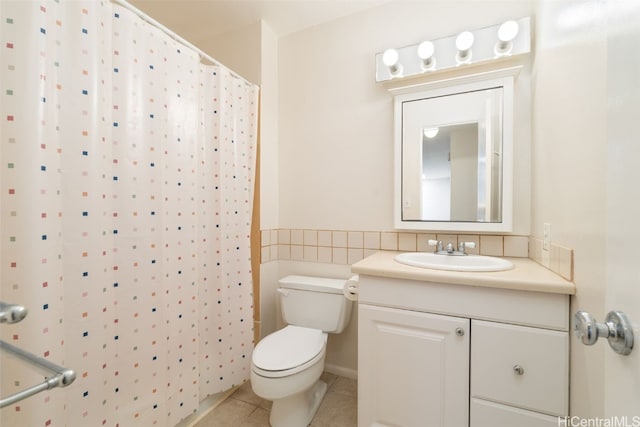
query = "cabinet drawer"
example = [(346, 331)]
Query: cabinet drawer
[(497, 350), (489, 414)]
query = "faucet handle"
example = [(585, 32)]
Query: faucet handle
[(436, 243), (463, 245)]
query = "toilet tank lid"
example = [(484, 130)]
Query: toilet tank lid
[(310, 283)]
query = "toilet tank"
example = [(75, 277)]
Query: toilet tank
[(314, 302)]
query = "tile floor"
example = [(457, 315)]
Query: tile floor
[(244, 409)]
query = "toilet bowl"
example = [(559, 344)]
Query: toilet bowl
[(286, 365), (286, 368)]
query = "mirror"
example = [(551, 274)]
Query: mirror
[(453, 157)]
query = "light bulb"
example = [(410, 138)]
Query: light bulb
[(464, 41), (431, 132), (426, 50), (390, 59), (506, 33)]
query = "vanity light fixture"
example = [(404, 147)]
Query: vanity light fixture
[(426, 50), (434, 56), (464, 42), (390, 59), (431, 132), (506, 33)]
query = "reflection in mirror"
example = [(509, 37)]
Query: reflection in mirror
[(452, 157)]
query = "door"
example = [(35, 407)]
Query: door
[(413, 368), (622, 373)]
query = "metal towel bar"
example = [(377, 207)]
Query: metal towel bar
[(12, 313), (62, 378)]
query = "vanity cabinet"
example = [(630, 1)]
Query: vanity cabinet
[(447, 355)]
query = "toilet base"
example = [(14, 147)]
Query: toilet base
[(298, 410)]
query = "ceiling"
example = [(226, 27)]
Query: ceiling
[(199, 20)]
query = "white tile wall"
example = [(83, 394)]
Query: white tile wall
[(389, 241), (518, 246), (355, 239), (407, 242), (324, 238), (339, 239), (492, 245), (371, 240), (297, 237)]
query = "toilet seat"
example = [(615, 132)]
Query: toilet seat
[(288, 351)]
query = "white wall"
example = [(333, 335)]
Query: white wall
[(336, 122), (569, 167), (238, 50), (269, 173)]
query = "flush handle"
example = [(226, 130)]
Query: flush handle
[(283, 292), (616, 328)]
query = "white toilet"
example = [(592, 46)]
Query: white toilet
[(286, 365)]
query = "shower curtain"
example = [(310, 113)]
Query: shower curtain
[(127, 172)]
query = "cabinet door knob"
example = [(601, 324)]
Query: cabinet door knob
[(518, 370), (459, 332)]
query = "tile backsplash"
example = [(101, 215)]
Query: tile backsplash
[(557, 259), (348, 247)]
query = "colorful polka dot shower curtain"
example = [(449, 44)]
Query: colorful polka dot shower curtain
[(127, 172)]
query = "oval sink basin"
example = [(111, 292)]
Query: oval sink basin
[(454, 263)]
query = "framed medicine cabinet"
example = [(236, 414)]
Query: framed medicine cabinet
[(454, 154)]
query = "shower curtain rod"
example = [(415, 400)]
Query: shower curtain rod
[(177, 38)]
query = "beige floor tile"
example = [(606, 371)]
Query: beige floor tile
[(230, 413), (328, 378), (344, 386), (246, 394), (336, 410), (245, 409), (258, 418)]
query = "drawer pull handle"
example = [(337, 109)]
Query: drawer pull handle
[(519, 370), (459, 332)]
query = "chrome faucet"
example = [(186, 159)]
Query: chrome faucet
[(449, 248)]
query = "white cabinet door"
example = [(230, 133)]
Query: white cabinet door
[(413, 368)]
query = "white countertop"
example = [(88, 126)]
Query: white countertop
[(527, 275)]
